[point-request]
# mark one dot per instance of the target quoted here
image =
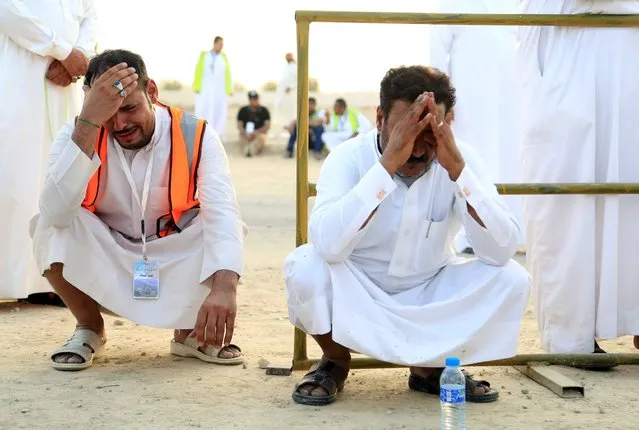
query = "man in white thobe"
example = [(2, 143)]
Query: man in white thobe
[(481, 62), (344, 123), (580, 90), (213, 85), (44, 48), (286, 95), (380, 277), (98, 219)]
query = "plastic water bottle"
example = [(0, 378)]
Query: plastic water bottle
[(452, 396)]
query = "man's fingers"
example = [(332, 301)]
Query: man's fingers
[(200, 326), (211, 323), (219, 332), (128, 80), (230, 327), (109, 75), (419, 106), (131, 87)]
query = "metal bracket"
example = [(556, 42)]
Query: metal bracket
[(556, 382)]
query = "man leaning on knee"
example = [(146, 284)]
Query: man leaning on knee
[(138, 214), (380, 276)]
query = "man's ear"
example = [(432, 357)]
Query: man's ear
[(152, 91), (450, 116), (379, 118)]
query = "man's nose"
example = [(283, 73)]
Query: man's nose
[(418, 150), (119, 122)]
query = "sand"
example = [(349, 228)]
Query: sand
[(137, 384)]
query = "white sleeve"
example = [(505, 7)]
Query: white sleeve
[(344, 202), (364, 125), (222, 225), (497, 242), (29, 32), (88, 30), (70, 171)]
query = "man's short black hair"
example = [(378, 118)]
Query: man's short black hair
[(408, 82), (217, 39), (111, 57), (312, 100), (341, 102)]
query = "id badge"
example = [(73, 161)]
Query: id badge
[(146, 280)]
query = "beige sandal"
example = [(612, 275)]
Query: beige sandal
[(85, 344), (210, 355)]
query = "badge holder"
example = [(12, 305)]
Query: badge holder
[(146, 275)]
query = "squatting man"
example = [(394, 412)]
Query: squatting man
[(380, 277), (134, 183)]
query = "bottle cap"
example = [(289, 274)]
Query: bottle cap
[(452, 361)]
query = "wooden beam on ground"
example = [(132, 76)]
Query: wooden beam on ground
[(556, 382)]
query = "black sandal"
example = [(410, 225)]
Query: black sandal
[(430, 385), (327, 375)]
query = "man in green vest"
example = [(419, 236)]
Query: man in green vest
[(212, 84), (344, 123)]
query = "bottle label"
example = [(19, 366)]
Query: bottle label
[(452, 395)]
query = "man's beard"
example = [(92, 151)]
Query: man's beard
[(382, 141)]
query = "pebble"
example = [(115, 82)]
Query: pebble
[(118, 322), (262, 363), (524, 391), (143, 354)]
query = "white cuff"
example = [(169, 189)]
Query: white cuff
[(61, 49), (73, 167), (375, 186), (470, 188)]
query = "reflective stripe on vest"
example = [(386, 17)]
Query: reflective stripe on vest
[(187, 132), (352, 117)]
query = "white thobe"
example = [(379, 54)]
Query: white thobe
[(98, 249), (481, 62), (32, 34), (286, 102), (211, 103), (338, 132), (394, 289), (580, 91)]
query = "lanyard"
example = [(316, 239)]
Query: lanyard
[(145, 189)]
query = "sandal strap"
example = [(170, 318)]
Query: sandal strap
[(83, 343), (327, 375), (472, 383), (211, 351)]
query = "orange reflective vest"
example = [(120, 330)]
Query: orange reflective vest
[(187, 132)]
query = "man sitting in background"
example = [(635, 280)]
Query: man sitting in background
[(344, 123), (316, 119), (253, 122)]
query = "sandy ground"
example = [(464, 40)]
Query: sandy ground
[(137, 384)]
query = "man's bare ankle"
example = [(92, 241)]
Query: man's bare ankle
[(339, 357)]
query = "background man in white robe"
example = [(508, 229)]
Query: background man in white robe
[(481, 62), (213, 84), (343, 124), (286, 95), (380, 277), (43, 50), (88, 257), (580, 91)]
